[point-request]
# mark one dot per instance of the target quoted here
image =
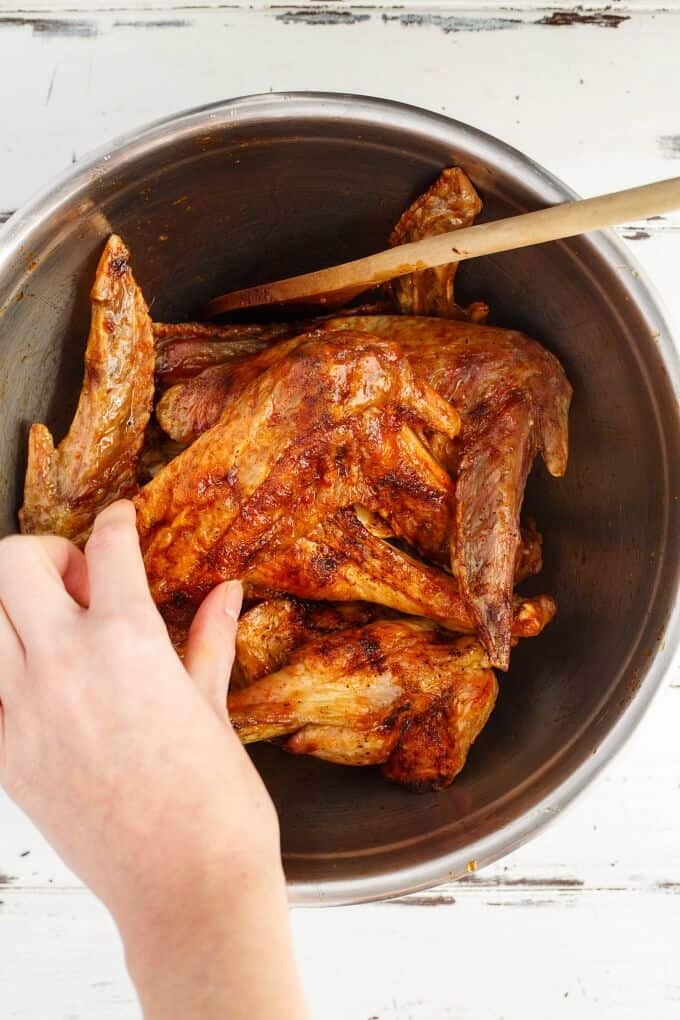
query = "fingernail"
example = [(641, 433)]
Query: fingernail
[(233, 597)]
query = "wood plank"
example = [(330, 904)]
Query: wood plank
[(615, 127), (144, 6), (515, 953), (68, 100)]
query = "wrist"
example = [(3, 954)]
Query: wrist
[(195, 858), (202, 951), (196, 892)]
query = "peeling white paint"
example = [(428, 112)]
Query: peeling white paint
[(595, 899)]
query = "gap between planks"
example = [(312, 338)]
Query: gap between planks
[(451, 17), (441, 895), (523, 892), (165, 6)]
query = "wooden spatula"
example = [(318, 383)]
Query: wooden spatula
[(339, 283)]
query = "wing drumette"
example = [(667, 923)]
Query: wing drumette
[(396, 693)]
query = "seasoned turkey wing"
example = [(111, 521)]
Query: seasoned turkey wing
[(96, 463), (184, 349), (451, 203), (513, 397), (287, 454), (339, 560), (465, 362), (187, 409), (396, 693), (271, 630), (477, 368)]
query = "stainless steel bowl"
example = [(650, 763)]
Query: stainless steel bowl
[(263, 187)]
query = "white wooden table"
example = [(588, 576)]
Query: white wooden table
[(584, 922)]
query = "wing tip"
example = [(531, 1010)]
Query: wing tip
[(40, 480), (113, 267)]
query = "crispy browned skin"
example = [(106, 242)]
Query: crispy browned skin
[(312, 555), (271, 630), (467, 363), (451, 203), (96, 463), (188, 409), (232, 357), (477, 367), (513, 397), (340, 560), (395, 692), (324, 429)]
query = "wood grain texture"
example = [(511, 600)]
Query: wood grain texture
[(582, 922), (596, 955), (144, 6)]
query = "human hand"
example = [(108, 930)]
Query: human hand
[(125, 759)]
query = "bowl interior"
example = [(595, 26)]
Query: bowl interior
[(266, 191)]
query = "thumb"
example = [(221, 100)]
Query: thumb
[(209, 653)]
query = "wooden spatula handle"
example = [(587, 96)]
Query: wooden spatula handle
[(560, 221), (551, 224)]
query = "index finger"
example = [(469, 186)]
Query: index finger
[(41, 583), (114, 561)]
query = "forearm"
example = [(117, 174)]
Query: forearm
[(124, 756), (220, 950)]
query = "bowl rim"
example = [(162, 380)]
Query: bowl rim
[(113, 155)]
